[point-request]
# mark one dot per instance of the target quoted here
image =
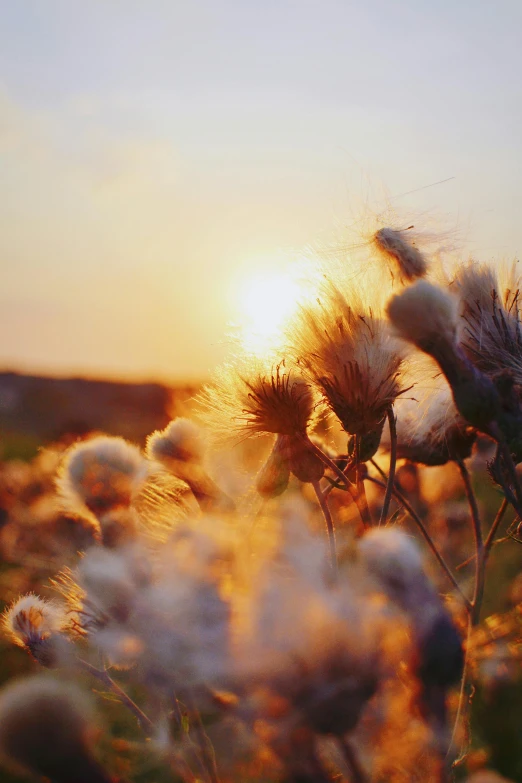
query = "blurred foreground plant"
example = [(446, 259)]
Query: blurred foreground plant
[(244, 643)]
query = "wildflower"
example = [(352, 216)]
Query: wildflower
[(349, 355), (110, 582), (101, 474), (46, 729), (181, 440), (35, 624), (272, 480), (394, 244), (426, 315), (430, 429), (180, 449), (279, 403), (492, 335), (244, 403)]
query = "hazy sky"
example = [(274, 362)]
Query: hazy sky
[(155, 154)]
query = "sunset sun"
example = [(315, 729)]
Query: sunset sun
[(266, 301)]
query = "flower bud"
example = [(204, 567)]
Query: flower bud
[(393, 244), (273, 478)]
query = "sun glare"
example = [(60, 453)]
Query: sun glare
[(267, 301)]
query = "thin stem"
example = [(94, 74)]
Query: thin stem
[(482, 555), (479, 542), (335, 484), (494, 527), (464, 690), (471, 558), (106, 679), (361, 499), (204, 743), (393, 463), (325, 459), (329, 526), (402, 500)]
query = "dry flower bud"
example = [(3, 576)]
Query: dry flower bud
[(272, 480), (426, 316), (101, 474), (395, 245), (35, 624), (181, 440)]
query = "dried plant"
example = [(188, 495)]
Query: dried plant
[(245, 644)]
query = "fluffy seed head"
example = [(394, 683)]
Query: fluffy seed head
[(31, 621), (46, 729), (349, 355), (242, 403), (394, 245), (101, 474), (392, 557), (430, 430), (181, 440), (110, 581), (490, 310), (424, 315)]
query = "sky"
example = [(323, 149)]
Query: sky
[(156, 156)]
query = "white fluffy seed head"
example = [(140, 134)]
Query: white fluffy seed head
[(392, 558), (425, 315), (490, 312), (31, 620), (396, 245), (46, 729), (101, 474), (111, 581), (181, 440)]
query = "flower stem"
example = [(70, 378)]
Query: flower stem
[(402, 500), (104, 677), (393, 463), (323, 503)]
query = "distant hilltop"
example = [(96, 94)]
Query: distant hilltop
[(45, 409)]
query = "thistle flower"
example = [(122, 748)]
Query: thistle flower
[(490, 310), (101, 474), (426, 315), (110, 582), (181, 440), (249, 402), (395, 245), (35, 624), (430, 430), (46, 729), (349, 355), (279, 403), (180, 448)]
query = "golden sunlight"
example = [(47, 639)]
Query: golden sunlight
[(267, 300)]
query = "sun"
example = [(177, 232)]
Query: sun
[(267, 300)]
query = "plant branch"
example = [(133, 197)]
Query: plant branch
[(104, 677)]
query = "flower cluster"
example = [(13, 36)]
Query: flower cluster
[(200, 594)]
